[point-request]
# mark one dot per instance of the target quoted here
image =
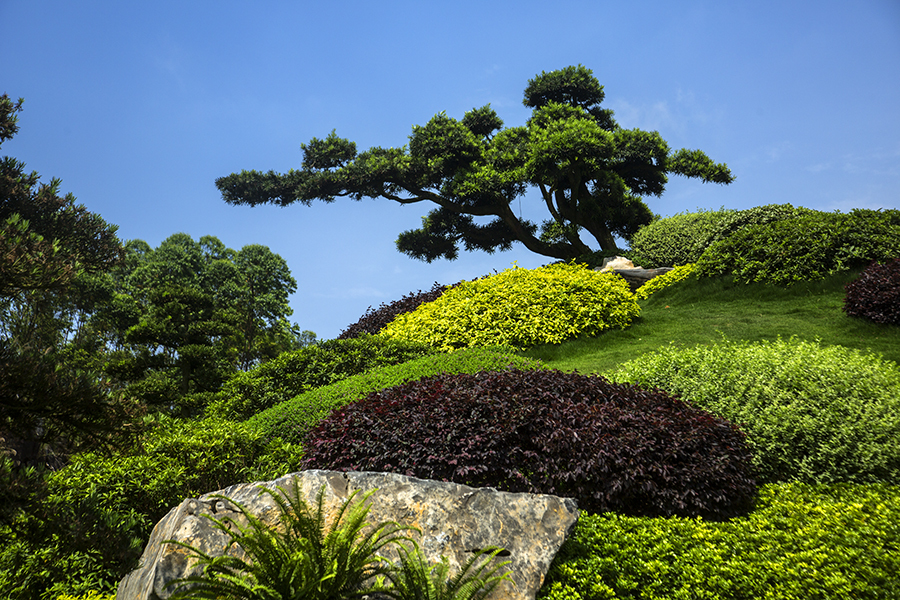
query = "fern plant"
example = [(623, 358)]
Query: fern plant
[(303, 559), (415, 579)]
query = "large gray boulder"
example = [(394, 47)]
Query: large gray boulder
[(455, 520)]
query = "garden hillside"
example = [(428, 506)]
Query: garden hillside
[(731, 430)]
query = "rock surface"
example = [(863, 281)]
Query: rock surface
[(615, 262), (638, 277), (454, 520)]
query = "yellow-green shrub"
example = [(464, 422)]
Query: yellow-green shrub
[(521, 308), (665, 280), (801, 542), (89, 596)]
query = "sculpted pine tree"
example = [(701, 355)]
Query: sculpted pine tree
[(592, 174)]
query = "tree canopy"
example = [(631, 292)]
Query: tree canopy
[(592, 175)]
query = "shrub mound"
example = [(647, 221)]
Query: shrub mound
[(612, 447), (682, 238), (374, 320), (292, 373), (292, 419), (521, 308), (807, 247), (875, 295), (800, 542), (817, 414)]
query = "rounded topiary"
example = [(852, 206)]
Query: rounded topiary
[(875, 295), (681, 239), (807, 247), (612, 447), (375, 319), (521, 308), (813, 413)]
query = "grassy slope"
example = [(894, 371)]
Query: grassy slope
[(702, 311)]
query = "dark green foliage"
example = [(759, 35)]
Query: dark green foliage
[(293, 373), (681, 239), (818, 414), (612, 447), (801, 542), (375, 319), (592, 174), (807, 247), (293, 418), (46, 240), (875, 295), (188, 314)]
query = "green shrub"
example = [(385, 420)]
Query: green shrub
[(818, 414), (521, 308), (682, 238), (804, 248), (90, 528), (801, 542), (292, 373), (292, 419), (92, 595), (665, 280)]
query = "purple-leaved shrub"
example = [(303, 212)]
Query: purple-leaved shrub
[(613, 447)]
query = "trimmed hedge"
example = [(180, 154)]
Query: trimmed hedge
[(611, 447), (681, 239), (292, 419), (521, 308), (817, 414), (374, 320), (875, 295), (292, 373), (801, 542), (805, 248)]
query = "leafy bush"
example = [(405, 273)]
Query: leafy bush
[(812, 413), (682, 238), (292, 373), (292, 419), (665, 280), (875, 295), (90, 528), (374, 320), (805, 248), (612, 447), (93, 595), (801, 542), (521, 308)]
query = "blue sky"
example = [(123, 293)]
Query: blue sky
[(139, 107)]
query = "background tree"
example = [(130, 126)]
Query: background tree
[(53, 252), (188, 314), (54, 255), (592, 174)]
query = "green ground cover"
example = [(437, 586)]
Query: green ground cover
[(703, 311)]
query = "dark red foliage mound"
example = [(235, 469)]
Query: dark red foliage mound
[(875, 294), (374, 320), (612, 447)]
